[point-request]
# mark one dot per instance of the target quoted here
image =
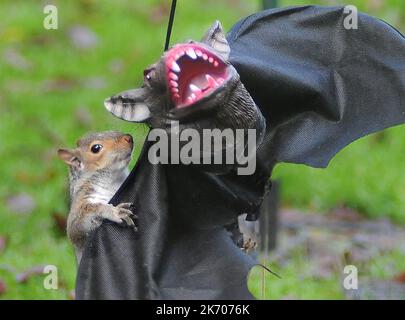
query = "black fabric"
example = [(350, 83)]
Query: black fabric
[(319, 86), (177, 236)]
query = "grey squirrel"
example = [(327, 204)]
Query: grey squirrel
[(97, 168)]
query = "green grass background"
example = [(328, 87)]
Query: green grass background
[(368, 175)]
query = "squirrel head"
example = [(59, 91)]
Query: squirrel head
[(107, 150)]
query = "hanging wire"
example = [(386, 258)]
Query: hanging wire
[(170, 24)]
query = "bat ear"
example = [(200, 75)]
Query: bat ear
[(215, 38), (129, 106), (70, 157)]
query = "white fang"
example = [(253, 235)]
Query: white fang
[(191, 54)]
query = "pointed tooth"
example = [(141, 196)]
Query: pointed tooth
[(190, 52), (173, 76), (205, 57), (198, 53), (211, 59), (211, 81), (174, 90), (189, 100), (193, 96), (194, 88), (176, 95), (175, 67), (174, 83), (216, 63)]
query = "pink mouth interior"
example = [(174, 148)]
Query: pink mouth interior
[(192, 73)]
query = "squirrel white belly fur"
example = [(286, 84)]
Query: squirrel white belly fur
[(97, 168)]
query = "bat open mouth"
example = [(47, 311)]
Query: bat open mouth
[(193, 73)]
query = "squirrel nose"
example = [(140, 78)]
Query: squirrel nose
[(128, 138)]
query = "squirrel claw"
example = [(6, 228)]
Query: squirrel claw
[(248, 245), (128, 221), (126, 205), (125, 214)]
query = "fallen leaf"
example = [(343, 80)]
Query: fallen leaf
[(3, 243), (94, 83), (22, 203), (17, 86), (159, 13), (14, 34), (358, 255), (29, 178), (324, 266), (116, 66), (88, 6), (345, 214), (23, 277), (3, 287), (14, 59), (72, 295), (83, 116), (59, 84), (82, 37), (59, 221), (42, 39), (400, 277), (378, 138), (375, 4)]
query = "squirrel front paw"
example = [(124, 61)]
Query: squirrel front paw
[(126, 214), (120, 213), (248, 245)]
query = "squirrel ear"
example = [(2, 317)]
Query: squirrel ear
[(215, 38), (69, 157)]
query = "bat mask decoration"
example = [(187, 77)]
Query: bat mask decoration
[(312, 87), (194, 84)]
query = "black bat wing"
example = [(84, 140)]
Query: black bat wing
[(319, 87)]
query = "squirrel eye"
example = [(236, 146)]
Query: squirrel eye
[(96, 148)]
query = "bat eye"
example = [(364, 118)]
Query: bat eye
[(96, 148), (147, 75)]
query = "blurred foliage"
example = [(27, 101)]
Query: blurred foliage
[(51, 93)]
